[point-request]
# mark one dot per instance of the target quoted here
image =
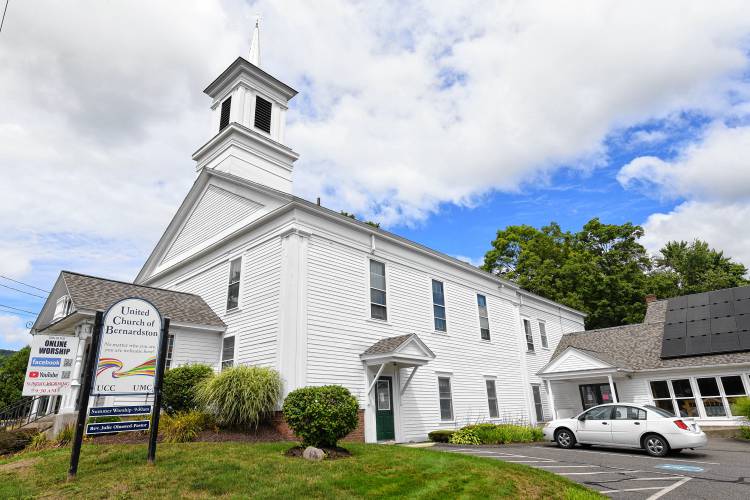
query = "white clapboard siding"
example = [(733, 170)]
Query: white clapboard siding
[(217, 210), (196, 347), (339, 329)]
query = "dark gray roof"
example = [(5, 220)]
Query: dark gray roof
[(387, 345), (638, 347), (92, 293)]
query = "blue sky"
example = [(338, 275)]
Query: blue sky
[(444, 122)]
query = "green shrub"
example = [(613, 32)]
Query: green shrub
[(745, 432), (506, 433), (39, 442), (467, 435), (65, 436), (320, 416), (441, 436), (179, 387), (741, 407), (14, 441), (183, 427), (240, 396)]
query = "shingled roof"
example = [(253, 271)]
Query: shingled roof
[(387, 345), (638, 347), (93, 293)]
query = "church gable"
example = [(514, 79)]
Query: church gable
[(217, 211), (574, 360)]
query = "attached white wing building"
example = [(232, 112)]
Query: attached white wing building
[(423, 340)]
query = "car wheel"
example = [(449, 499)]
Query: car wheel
[(655, 445), (565, 438)]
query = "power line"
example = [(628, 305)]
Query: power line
[(4, 11), (24, 284), (20, 310), (22, 291)]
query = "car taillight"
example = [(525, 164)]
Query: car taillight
[(682, 425)]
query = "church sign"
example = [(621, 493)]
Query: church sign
[(128, 349), (50, 366)]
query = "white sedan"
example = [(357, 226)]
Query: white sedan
[(627, 425)]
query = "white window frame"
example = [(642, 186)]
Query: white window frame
[(479, 315), (63, 306), (230, 283), (530, 346), (496, 398), (675, 410), (744, 377), (234, 351), (370, 303), (543, 338), (540, 404), (440, 399), (444, 306)]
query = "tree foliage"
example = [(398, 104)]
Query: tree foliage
[(604, 271), (180, 385), (12, 373)]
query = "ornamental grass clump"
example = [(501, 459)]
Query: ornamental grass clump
[(320, 416), (183, 427), (242, 396)]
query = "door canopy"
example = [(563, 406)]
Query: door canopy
[(404, 350)]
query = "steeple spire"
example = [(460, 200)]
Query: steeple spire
[(255, 43)]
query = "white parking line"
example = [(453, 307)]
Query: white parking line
[(607, 492), (669, 488), (566, 466), (670, 459), (598, 472), (670, 478), (528, 461)]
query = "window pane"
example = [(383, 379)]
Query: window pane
[(687, 407), (603, 413), (233, 296), (527, 327), (484, 323), (636, 413), (378, 312), (491, 392), (377, 281), (438, 311), (714, 407), (621, 413), (377, 268), (482, 302), (440, 325), (660, 389), (384, 395), (665, 404), (682, 388), (732, 402), (444, 386), (485, 334), (437, 293), (446, 409), (733, 386), (377, 296), (235, 267), (708, 387)]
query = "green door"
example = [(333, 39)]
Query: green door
[(384, 409)]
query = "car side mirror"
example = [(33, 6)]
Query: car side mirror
[(582, 418)]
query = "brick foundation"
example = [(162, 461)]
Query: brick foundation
[(357, 435)]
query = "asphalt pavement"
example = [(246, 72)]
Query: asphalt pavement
[(719, 471)]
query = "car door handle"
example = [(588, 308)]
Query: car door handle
[(604, 423), (637, 423)]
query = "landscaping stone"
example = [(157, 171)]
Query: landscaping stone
[(314, 454)]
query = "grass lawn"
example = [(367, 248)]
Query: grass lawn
[(241, 470)]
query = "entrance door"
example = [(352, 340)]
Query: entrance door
[(384, 410), (595, 395)]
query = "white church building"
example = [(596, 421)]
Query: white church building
[(423, 340)]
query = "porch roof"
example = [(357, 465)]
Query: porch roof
[(406, 350)]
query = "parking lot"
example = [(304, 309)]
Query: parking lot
[(722, 470)]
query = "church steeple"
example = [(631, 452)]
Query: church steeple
[(249, 113)]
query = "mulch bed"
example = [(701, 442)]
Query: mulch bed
[(331, 453), (262, 434)]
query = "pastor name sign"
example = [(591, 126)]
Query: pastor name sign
[(128, 349), (50, 366)]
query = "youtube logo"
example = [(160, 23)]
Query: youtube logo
[(33, 374)]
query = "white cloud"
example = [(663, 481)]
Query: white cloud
[(402, 107), (13, 332), (722, 225), (714, 168), (474, 261)]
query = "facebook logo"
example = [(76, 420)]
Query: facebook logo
[(46, 362)]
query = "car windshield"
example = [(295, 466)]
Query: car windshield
[(659, 411)]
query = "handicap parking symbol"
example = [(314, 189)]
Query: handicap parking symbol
[(681, 468)]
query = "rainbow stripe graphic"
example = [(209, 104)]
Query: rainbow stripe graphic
[(147, 368)]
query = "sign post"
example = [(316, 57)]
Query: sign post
[(126, 357), (83, 396), (157, 392)]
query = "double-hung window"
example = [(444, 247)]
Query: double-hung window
[(529, 335), (536, 392), (233, 291), (377, 291), (227, 352), (446, 398), (170, 349), (492, 398), (543, 334), (438, 306), (484, 320)]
